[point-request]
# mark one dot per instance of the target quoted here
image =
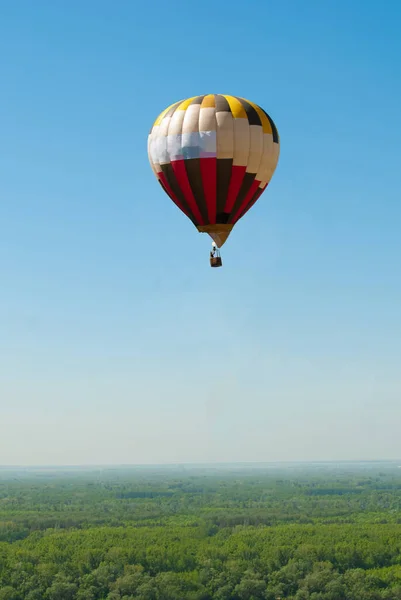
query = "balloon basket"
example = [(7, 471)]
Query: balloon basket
[(216, 261)]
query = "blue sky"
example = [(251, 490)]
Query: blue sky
[(118, 343)]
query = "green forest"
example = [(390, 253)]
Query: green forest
[(314, 532)]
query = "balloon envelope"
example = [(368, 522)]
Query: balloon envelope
[(214, 155)]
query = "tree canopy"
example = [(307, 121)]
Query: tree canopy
[(323, 533)]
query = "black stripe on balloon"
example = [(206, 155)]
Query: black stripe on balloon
[(224, 168), (273, 126), (197, 100), (222, 104), (194, 174), (251, 113), (169, 174), (166, 191), (253, 200), (247, 182)]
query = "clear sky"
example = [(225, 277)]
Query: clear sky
[(118, 343)]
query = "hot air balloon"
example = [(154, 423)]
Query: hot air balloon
[(214, 156)]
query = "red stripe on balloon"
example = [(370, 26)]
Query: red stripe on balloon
[(237, 175), (183, 181), (208, 168)]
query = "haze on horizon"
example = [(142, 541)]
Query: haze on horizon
[(118, 343)]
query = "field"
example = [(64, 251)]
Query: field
[(318, 532)]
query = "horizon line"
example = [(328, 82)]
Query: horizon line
[(198, 464)]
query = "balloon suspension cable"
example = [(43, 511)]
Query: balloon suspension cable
[(215, 256)]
